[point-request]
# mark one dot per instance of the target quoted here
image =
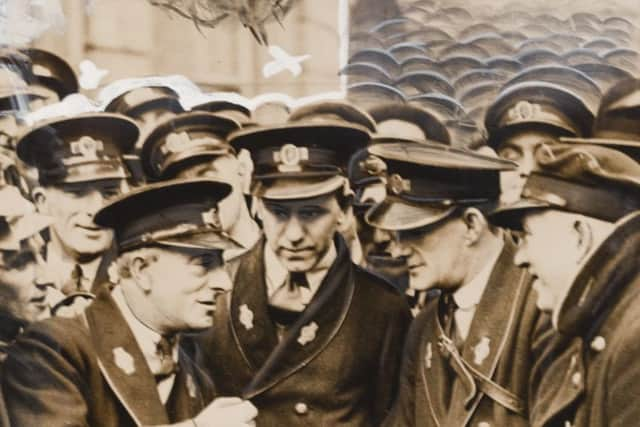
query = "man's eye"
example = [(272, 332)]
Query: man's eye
[(310, 213), (278, 212), (510, 154), (19, 260), (109, 193)]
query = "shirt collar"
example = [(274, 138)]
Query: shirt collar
[(277, 274), (146, 337), (62, 266), (469, 295)]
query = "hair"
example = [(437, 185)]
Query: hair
[(122, 264)]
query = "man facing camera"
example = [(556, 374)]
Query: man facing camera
[(580, 222), (120, 363), (470, 350), (311, 338)]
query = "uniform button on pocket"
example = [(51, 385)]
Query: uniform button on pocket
[(301, 408), (598, 343), (484, 424)]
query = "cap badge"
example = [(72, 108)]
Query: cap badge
[(211, 219), (308, 333), (87, 147), (289, 158), (524, 110), (481, 350), (428, 356), (246, 317), (124, 360), (373, 166), (398, 185)]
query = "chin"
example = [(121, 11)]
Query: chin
[(299, 265)]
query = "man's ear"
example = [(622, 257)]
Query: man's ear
[(476, 225), (138, 266), (585, 238), (39, 196), (245, 170)]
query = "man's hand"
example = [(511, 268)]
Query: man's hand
[(227, 412)]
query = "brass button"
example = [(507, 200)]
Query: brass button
[(598, 343), (301, 408), (484, 424), (576, 379)]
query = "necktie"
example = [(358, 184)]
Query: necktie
[(75, 282), (450, 326), (164, 350), (286, 306)]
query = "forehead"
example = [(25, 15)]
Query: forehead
[(324, 201)]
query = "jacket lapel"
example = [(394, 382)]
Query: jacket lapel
[(490, 329), (315, 328), (186, 398), (122, 363), (254, 332), (564, 380), (434, 369)]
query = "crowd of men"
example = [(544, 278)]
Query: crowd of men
[(341, 263)]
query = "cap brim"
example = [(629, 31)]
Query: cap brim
[(612, 142), (209, 241), (297, 188), (22, 228), (510, 216), (398, 215)]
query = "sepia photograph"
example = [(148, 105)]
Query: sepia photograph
[(350, 213)]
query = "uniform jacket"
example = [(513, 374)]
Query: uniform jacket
[(505, 335), (590, 375), (60, 373), (336, 365)]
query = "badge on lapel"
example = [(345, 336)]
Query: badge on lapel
[(481, 350), (308, 333), (123, 360), (191, 387), (246, 317), (428, 356)]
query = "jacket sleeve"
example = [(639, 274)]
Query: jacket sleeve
[(43, 383), (391, 360)]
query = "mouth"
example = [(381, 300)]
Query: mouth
[(296, 253), (40, 302)]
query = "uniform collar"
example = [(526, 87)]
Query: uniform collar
[(277, 274), (146, 337), (61, 266), (469, 295)]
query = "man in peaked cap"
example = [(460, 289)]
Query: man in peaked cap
[(192, 145), (22, 290), (120, 363), (291, 338), (585, 199), (22, 283), (527, 114), (617, 124), (79, 166), (469, 351), (233, 110)]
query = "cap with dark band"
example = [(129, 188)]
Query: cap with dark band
[(87, 147), (585, 179), (425, 183), (537, 104), (142, 99), (403, 123), (238, 112), (184, 138), (52, 72), (617, 123), (311, 154), (182, 214)]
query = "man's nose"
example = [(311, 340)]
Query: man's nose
[(397, 249), (94, 201), (381, 237), (294, 232), (219, 280), (520, 258)]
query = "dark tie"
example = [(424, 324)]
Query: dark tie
[(164, 350), (283, 315), (74, 284), (450, 327), (298, 279)]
